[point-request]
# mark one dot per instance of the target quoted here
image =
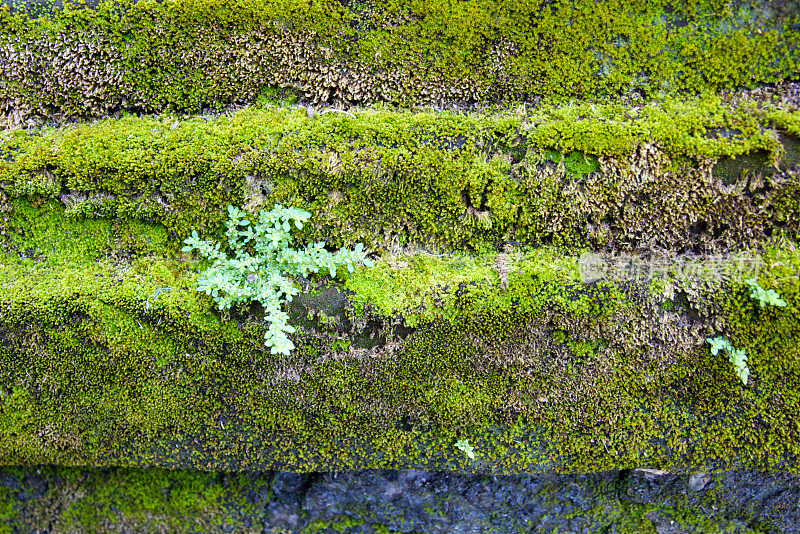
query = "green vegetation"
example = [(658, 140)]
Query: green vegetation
[(464, 446), (438, 349), (737, 357), (261, 266), (120, 348), (444, 337), (146, 500), (440, 181), (153, 500), (186, 56), (764, 296)]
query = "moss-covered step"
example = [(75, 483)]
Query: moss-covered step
[(701, 175), (536, 358), (185, 55)]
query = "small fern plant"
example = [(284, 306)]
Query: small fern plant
[(264, 264), (764, 296), (737, 357), (464, 446)]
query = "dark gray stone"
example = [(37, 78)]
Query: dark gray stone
[(42, 499)]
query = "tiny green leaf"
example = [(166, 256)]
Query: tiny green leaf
[(464, 446)]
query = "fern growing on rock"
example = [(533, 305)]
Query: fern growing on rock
[(764, 296), (736, 356), (264, 264)]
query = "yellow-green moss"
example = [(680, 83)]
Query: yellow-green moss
[(536, 372), (790, 122), (144, 500), (189, 55), (449, 181)]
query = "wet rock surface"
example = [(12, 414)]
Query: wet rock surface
[(129, 500)]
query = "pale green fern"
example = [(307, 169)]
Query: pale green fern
[(737, 357), (263, 265), (764, 296)]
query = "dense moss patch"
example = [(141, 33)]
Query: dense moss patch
[(158, 56), (575, 176), (511, 351)]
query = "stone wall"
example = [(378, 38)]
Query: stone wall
[(60, 500), (148, 57)]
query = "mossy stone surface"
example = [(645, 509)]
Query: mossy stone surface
[(380, 501), (589, 176), (512, 351), (189, 56)]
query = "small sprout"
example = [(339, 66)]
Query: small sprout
[(764, 296), (737, 357), (463, 445)]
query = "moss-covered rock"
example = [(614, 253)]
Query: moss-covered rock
[(156, 500), (104, 365), (184, 56), (604, 177)]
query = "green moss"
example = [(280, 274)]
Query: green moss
[(634, 518), (510, 351), (148, 497), (341, 524), (8, 510), (273, 96), (157, 56), (386, 178), (786, 120), (575, 163), (144, 500), (103, 366)]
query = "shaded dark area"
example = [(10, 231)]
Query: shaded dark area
[(125, 500), (731, 170)]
